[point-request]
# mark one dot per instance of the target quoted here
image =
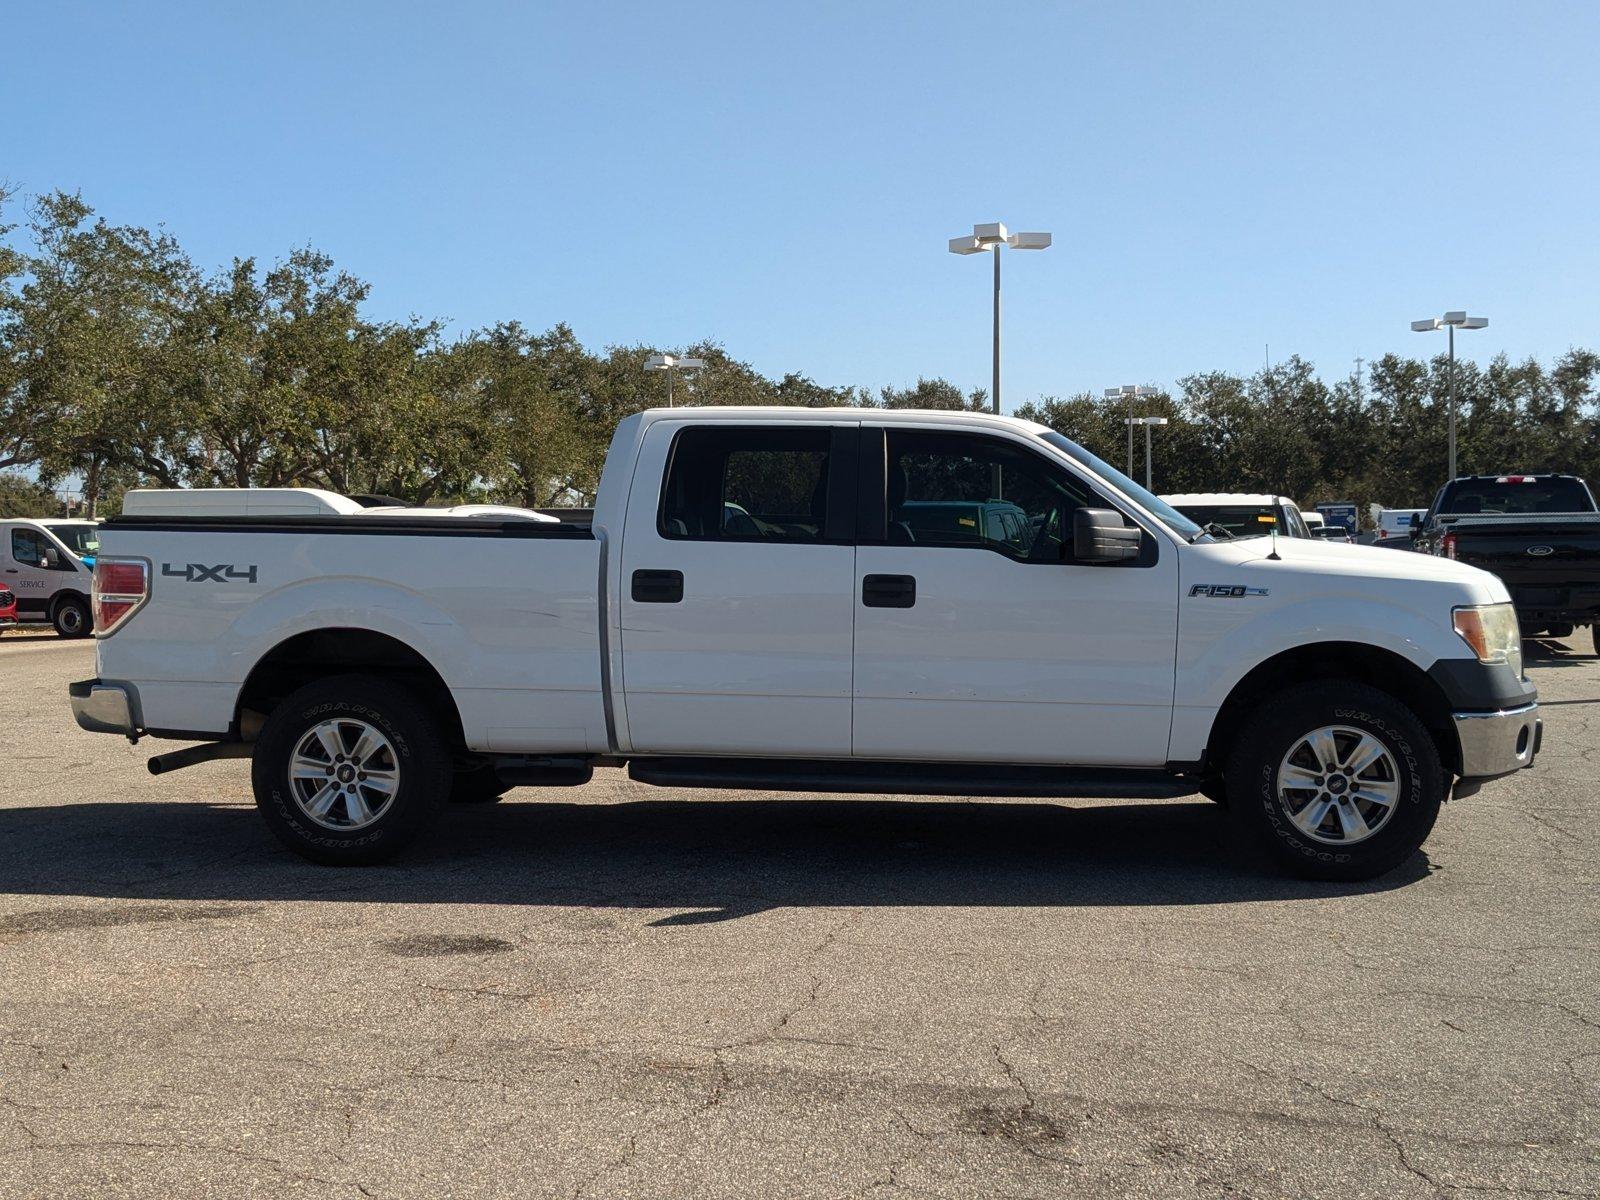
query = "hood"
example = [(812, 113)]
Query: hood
[(1363, 562)]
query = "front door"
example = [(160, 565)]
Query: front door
[(737, 576), (24, 570), (978, 637)]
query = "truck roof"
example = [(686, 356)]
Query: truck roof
[(1181, 498), (892, 416)]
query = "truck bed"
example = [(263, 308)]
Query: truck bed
[(503, 608)]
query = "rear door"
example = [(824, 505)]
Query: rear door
[(737, 581), (998, 647)]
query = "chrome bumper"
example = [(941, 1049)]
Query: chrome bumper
[(1498, 743), (105, 707)]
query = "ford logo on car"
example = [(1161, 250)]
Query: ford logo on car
[(1541, 551)]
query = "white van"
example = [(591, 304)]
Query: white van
[(1394, 527), (48, 564)]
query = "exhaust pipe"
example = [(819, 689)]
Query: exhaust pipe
[(179, 759)]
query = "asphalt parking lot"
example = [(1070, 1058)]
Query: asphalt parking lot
[(622, 991)]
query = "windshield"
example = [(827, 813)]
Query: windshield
[(80, 539), (1241, 520), (1554, 495), (1171, 517)]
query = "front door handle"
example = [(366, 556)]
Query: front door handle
[(658, 587), (889, 591)]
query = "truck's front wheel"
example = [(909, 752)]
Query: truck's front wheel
[(1337, 779), (349, 770)]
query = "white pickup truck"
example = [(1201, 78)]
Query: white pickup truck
[(816, 600)]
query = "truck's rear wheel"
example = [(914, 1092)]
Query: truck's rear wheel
[(349, 770), (1338, 780), (71, 618)]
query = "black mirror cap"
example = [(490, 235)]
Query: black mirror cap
[(1100, 535), (1416, 520)]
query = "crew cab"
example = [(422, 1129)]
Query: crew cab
[(779, 599), (47, 563), (1539, 533)]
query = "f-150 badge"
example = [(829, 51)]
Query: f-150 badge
[(1225, 591), (200, 573)]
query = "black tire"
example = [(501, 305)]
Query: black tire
[(477, 785), (71, 618), (1273, 731), (418, 752)]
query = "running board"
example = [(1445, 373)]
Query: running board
[(910, 778)]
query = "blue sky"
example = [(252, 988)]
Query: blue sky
[(783, 178)]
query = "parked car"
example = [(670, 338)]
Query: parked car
[(8, 609), (1331, 533), (1539, 533), (366, 659), (47, 563), (1243, 514)]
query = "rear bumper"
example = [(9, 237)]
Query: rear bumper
[(105, 707), (1498, 743)]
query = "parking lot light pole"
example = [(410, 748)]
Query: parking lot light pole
[(991, 237), (1130, 393), (671, 364), (1452, 321), (1149, 423)]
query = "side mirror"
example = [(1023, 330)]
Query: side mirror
[(50, 560), (1100, 535), (1416, 521)]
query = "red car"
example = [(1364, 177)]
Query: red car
[(8, 609)]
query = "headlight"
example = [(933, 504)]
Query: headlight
[(1492, 632)]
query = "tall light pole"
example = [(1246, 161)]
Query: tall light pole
[(672, 364), (1451, 321), (992, 237), (1149, 423), (1129, 393)]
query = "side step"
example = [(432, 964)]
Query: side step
[(910, 778)]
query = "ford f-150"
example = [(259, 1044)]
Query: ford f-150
[(1539, 533), (807, 600)]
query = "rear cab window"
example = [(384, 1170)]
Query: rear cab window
[(1519, 494)]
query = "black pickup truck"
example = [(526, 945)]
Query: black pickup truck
[(1539, 533)]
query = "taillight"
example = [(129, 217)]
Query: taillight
[(1447, 545), (121, 586)]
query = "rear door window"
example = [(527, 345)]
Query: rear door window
[(749, 484)]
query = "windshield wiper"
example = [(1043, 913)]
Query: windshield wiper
[(1215, 530)]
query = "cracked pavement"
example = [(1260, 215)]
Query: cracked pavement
[(620, 991)]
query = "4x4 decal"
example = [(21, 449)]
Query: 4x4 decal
[(200, 573)]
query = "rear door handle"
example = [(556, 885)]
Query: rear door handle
[(889, 591), (658, 587)]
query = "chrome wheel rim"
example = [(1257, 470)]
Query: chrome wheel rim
[(343, 774), (1339, 785)]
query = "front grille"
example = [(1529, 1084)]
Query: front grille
[(6, 597)]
